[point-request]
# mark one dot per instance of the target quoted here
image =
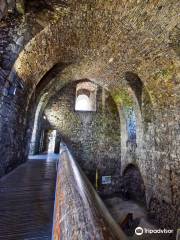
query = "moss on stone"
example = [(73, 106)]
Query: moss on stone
[(122, 96), (165, 73), (20, 7)]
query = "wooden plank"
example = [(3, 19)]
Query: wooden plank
[(27, 201)]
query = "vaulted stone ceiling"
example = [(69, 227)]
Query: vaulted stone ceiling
[(44, 45), (101, 40)]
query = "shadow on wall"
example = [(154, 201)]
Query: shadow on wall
[(136, 85), (133, 184)]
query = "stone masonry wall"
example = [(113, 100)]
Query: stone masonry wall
[(157, 158), (93, 137), (101, 41), (14, 34)]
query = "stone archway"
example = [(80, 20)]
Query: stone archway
[(133, 184)]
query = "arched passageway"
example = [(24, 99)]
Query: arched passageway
[(93, 135), (128, 49), (133, 183)]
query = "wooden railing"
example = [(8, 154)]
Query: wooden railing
[(79, 213)]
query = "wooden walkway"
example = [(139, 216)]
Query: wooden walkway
[(27, 201)]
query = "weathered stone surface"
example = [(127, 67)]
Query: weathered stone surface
[(102, 41), (93, 137)]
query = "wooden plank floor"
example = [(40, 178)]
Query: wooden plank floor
[(27, 201)]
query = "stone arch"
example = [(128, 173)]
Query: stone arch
[(141, 109), (60, 41), (136, 85), (83, 91), (140, 93), (55, 80), (49, 47), (134, 184), (104, 125), (34, 143)]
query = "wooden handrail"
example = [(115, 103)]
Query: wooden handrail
[(79, 213)]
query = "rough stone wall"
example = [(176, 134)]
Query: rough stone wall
[(93, 137), (13, 112), (15, 31), (157, 157), (13, 132), (102, 41), (160, 160)]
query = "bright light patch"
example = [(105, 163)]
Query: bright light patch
[(83, 103), (52, 140)]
